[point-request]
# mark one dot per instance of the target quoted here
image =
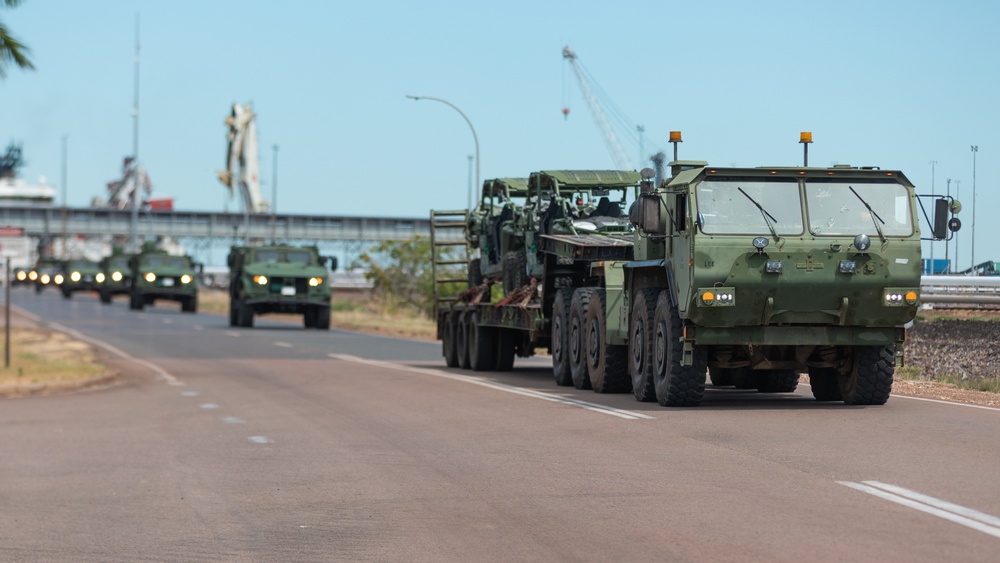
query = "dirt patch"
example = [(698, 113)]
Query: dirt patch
[(47, 361)]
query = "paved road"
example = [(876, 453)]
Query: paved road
[(277, 443)]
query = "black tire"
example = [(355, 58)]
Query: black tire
[(38, 288), (322, 318), (825, 383), (871, 382), (559, 344), (481, 344), (448, 347), (67, 294), (641, 344), (777, 381), (462, 340), (106, 297), (676, 385), (189, 304), (475, 273), (234, 319), (245, 314), (136, 302), (721, 377), (515, 271), (607, 364), (577, 337), (505, 350), (309, 317)]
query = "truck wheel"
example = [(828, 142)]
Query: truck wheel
[(67, 294), (504, 351), (105, 297), (234, 319), (825, 383), (245, 314), (190, 304), (475, 273), (448, 347), (462, 340), (309, 317), (720, 377), (607, 364), (777, 381), (640, 344), (323, 318), (136, 302), (559, 346), (676, 385), (872, 380), (577, 337), (515, 271), (481, 344)]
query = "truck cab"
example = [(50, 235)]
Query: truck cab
[(159, 275), (279, 279)]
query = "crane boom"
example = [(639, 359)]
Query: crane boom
[(241, 153), (610, 139)]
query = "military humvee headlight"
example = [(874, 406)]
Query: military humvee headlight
[(150, 277), (314, 282), (862, 242), (44, 279), (99, 277), (185, 279), (260, 280), (59, 279), (848, 267), (116, 276), (772, 266), (75, 276), (21, 276), (911, 297), (33, 275)]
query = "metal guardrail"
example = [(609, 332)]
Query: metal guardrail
[(960, 290)]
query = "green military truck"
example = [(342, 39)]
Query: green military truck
[(47, 272), (115, 275), (159, 275), (279, 279), (79, 275), (747, 275)]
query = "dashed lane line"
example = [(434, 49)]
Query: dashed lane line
[(283, 344), (483, 382)]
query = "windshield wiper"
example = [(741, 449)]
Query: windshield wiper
[(874, 215), (764, 214)]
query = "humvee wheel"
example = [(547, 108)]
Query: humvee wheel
[(607, 364), (676, 385), (559, 348), (577, 337), (515, 271), (105, 297), (136, 302), (871, 382), (323, 318), (481, 344), (233, 312), (475, 273), (825, 383), (67, 294), (245, 314), (505, 349), (309, 317), (462, 340), (640, 344), (777, 381), (189, 304), (448, 346)]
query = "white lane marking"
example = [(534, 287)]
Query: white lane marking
[(283, 344), (168, 321), (232, 333), (162, 373), (209, 406), (967, 517), (260, 440), (483, 382), (953, 403), (198, 327), (190, 393), (233, 420)]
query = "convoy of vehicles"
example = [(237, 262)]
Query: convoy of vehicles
[(279, 279), (79, 275), (749, 276), (47, 272), (159, 275)]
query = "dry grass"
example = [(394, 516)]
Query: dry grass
[(43, 356)]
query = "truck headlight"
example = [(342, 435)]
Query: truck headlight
[(150, 277), (75, 276), (899, 297), (116, 276), (717, 296), (260, 280), (99, 277), (315, 282), (59, 279), (185, 279), (21, 276), (44, 279), (33, 275)]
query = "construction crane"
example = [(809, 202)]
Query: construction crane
[(242, 153), (591, 94)]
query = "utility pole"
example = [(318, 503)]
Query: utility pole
[(946, 243), (931, 269), (975, 149), (136, 172), (64, 204)]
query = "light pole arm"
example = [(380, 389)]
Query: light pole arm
[(475, 138)]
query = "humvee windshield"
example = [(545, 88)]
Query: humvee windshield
[(834, 210), (724, 210), (298, 256), (118, 264), (268, 255), (273, 256), (171, 261)]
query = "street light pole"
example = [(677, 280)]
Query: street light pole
[(136, 172), (64, 204), (975, 149), (931, 269), (946, 242), (475, 138)]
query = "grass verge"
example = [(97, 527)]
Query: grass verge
[(43, 356)]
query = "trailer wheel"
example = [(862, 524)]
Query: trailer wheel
[(481, 344), (676, 385), (577, 337), (640, 344), (515, 271), (825, 383), (777, 381), (559, 347), (871, 382), (607, 364), (504, 351), (462, 340), (448, 346)]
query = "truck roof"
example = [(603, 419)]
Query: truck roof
[(834, 172), (585, 179)]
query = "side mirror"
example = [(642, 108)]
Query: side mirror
[(333, 263), (229, 260), (942, 223), (650, 217)]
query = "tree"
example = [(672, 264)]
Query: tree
[(401, 273), (12, 50)]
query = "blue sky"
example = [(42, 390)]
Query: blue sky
[(889, 84)]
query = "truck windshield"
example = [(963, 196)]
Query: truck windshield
[(723, 210), (269, 255), (834, 210)]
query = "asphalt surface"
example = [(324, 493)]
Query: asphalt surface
[(283, 444)]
